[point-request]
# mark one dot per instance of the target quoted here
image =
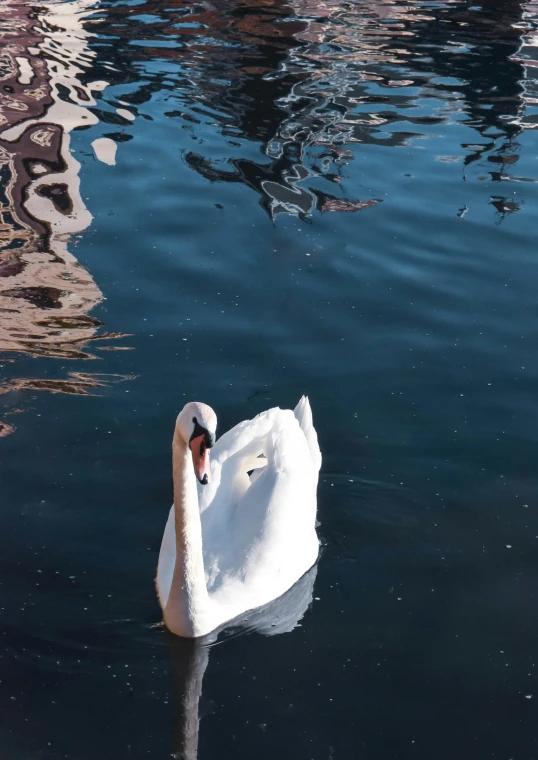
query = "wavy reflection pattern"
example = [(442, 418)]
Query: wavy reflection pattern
[(312, 81), (306, 83), (527, 55), (45, 293)]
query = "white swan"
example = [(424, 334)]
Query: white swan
[(238, 541)]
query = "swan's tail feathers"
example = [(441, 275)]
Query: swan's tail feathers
[(303, 413)]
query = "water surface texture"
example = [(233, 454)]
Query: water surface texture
[(240, 202)]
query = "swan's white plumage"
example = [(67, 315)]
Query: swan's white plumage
[(258, 531), (303, 412)]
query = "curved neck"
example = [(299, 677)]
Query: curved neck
[(187, 602)]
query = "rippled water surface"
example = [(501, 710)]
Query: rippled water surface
[(240, 202)]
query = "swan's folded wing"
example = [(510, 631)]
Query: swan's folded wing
[(271, 539), (259, 539), (236, 451), (247, 437), (233, 455)]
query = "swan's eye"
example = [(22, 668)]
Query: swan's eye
[(202, 449)]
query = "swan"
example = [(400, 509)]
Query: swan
[(246, 532)]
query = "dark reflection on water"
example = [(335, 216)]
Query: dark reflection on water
[(307, 80), (172, 171)]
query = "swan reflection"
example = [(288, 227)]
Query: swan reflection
[(189, 657)]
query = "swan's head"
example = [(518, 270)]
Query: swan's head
[(197, 425)]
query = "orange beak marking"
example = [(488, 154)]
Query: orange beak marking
[(200, 458)]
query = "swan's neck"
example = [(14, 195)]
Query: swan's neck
[(187, 603)]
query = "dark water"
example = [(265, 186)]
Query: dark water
[(333, 198)]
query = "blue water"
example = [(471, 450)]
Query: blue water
[(334, 198)]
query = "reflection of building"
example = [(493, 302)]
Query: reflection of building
[(45, 294)]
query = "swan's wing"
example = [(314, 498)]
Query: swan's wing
[(269, 539), (234, 454), (244, 448), (250, 437), (246, 437), (303, 412)]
